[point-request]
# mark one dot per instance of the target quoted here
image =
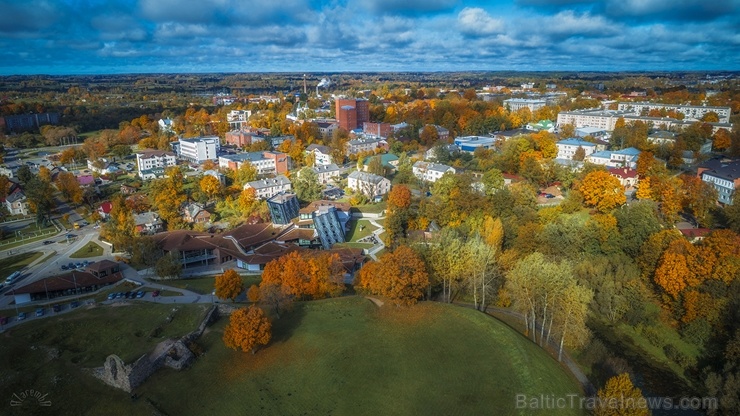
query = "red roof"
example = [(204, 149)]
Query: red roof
[(85, 179), (695, 232), (623, 172), (106, 206)]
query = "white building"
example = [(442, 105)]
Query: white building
[(369, 184), (693, 112), (165, 125), (234, 162), (615, 159), (567, 148), (602, 119), (152, 163), (321, 154), (267, 188), (200, 149), (515, 104), (326, 173), (238, 119), (430, 172), (364, 145)]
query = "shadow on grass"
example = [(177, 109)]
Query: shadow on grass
[(283, 328)]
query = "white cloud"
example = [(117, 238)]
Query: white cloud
[(475, 21)]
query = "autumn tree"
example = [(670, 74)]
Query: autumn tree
[(307, 186), (620, 397), (120, 229), (246, 173), (580, 154), (307, 274), (429, 135), (210, 186), (399, 198), (248, 329), (228, 285), (169, 266), (722, 140), (400, 275), (493, 181), (699, 198), (167, 196), (275, 296), (40, 196), (602, 191), (70, 189), (253, 294)]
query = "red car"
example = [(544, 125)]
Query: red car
[(155, 293)]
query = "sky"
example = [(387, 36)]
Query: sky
[(152, 36)]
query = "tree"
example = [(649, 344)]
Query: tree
[(602, 191), (253, 294), (248, 329), (120, 228), (228, 285), (246, 173), (493, 181), (307, 274), (210, 186), (580, 154), (699, 198), (375, 166), (399, 275), (307, 186), (144, 252), (169, 266), (620, 397), (276, 297), (636, 223), (399, 198), (428, 135), (40, 196), (69, 187), (721, 140), (167, 196)]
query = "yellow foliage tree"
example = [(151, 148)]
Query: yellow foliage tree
[(210, 186), (248, 329), (228, 285), (253, 294), (644, 191), (602, 191), (620, 397)]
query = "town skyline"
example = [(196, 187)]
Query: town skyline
[(216, 36)]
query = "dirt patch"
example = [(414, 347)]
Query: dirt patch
[(376, 301)]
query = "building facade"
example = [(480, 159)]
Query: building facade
[(567, 148), (430, 172), (200, 149), (352, 113), (724, 175), (515, 104), (152, 164), (693, 112), (369, 184), (283, 208), (267, 188)]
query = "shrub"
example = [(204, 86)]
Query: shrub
[(653, 336)]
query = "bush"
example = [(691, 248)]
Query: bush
[(653, 336), (673, 354)]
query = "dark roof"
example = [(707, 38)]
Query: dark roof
[(101, 265), (66, 281), (723, 168)]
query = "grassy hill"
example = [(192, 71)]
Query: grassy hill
[(334, 357)]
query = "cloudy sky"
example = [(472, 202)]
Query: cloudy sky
[(135, 36)]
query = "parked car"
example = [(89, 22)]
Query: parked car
[(64, 267), (71, 266), (40, 312), (74, 304), (548, 196), (119, 295), (127, 295), (57, 308), (16, 274), (111, 296), (155, 293), (79, 265), (4, 320), (139, 294), (47, 242), (21, 316)]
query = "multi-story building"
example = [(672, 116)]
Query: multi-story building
[(152, 163), (724, 175), (283, 208), (321, 154), (567, 148), (352, 113), (241, 138), (363, 145), (166, 125), (267, 188), (198, 150), (430, 172), (615, 158), (377, 129), (515, 104), (24, 122), (693, 112), (328, 218), (326, 173), (327, 128), (264, 162), (373, 186), (603, 119), (238, 119), (470, 143), (17, 203)]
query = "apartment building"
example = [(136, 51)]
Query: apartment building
[(693, 112), (198, 150), (267, 188), (430, 172), (153, 163), (515, 104)]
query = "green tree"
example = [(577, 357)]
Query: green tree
[(307, 186), (493, 181), (637, 222), (169, 266)]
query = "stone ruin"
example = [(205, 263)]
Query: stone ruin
[(174, 354)]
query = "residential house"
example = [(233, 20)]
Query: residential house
[(567, 148), (430, 172), (166, 125), (615, 158), (152, 163), (86, 180), (327, 128), (103, 166), (502, 136), (388, 160), (104, 210), (321, 154), (326, 173), (283, 208), (267, 188), (364, 145), (128, 189), (194, 213), (17, 203), (627, 177), (373, 186), (724, 175), (148, 223)]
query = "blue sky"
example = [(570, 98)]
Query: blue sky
[(140, 36)]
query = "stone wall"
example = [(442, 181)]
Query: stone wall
[(172, 353)]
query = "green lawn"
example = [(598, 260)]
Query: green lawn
[(204, 285), (16, 262), (347, 357), (353, 245), (51, 355), (371, 208), (355, 233), (90, 249), (27, 235)]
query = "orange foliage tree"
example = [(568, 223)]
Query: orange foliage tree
[(620, 397), (602, 191), (210, 186), (229, 285), (307, 274), (399, 198), (400, 275), (248, 329), (253, 294)]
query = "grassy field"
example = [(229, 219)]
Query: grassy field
[(90, 249), (347, 357), (355, 233), (50, 355), (16, 262), (376, 208), (204, 285)]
